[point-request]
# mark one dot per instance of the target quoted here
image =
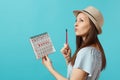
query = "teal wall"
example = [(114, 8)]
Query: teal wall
[(21, 19)]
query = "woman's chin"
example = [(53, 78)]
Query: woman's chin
[(78, 35)]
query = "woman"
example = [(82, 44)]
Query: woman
[(89, 58)]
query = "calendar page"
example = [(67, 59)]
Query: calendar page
[(42, 45)]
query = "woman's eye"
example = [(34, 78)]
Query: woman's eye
[(81, 20)]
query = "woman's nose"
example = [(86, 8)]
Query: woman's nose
[(75, 24)]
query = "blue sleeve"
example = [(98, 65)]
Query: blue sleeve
[(85, 60)]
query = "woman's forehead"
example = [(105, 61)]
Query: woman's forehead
[(82, 15)]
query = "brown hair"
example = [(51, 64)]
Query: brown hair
[(91, 38)]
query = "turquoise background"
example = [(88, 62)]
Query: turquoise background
[(21, 19)]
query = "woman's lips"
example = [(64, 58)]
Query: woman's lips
[(75, 29)]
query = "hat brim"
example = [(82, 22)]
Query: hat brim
[(76, 12)]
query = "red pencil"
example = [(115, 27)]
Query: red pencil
[(66, 37)]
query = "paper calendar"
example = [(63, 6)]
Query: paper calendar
[(42, 45)]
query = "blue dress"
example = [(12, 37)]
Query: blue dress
[(89, 60)]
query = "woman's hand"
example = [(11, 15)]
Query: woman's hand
[(48, 64), (46, 61), (66, 52)]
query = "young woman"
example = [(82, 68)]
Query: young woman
[(89, 58)]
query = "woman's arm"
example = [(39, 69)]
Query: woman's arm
[(77, 74), (46, 61), (57, 75)]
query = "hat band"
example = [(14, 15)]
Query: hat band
[(89, 14)]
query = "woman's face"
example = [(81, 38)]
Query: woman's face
[(82, 25)]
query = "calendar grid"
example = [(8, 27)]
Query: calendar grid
[(42, 45)]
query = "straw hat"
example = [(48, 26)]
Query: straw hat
[(94, 15)]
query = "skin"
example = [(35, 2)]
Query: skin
[(82, 26)]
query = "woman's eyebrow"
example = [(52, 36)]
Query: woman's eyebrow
[(84, 18), (80, 18)]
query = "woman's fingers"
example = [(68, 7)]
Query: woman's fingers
[(66, 51), (66, 46), (45, 58), (47, 63)]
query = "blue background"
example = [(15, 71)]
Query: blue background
[(21, 19)]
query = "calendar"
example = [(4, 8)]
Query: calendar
[(42, 45)]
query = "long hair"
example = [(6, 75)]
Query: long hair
[(91, 38)]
